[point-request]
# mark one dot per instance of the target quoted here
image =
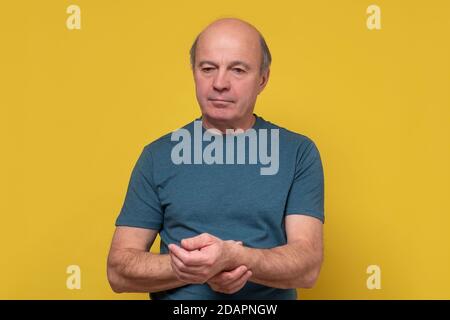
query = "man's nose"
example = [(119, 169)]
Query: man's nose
[(221, 82)]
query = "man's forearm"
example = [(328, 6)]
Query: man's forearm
[(132, 270), (294, 265)]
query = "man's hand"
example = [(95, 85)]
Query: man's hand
[(230, 281), (202, 257)]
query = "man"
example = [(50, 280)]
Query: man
[(228, 231)]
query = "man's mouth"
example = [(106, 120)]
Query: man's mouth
[(220, 103), (221, 100)]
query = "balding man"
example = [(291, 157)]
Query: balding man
[(236, 221)]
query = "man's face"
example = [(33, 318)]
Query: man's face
[(227, 73)]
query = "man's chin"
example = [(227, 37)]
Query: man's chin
[(222, 114)]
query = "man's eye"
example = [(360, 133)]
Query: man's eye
[(207, 69), (238, 70)]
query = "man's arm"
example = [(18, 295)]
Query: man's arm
[(294, 265), (131, 268)]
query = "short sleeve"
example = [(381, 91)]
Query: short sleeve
[(141, 207), (306, 195)]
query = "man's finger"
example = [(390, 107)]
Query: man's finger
[(226, 277), (189, 258), (182, 267), (177, 262), (180, 253), (240, 283), (233, 286), (199, 241)]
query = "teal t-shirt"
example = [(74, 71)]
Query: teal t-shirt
[(229, 201)]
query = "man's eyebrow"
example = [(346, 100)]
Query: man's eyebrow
[(201, 63), (232, 64), (239, 62)]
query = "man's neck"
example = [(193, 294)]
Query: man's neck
[(222, 126)]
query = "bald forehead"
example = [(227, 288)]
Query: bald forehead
[(231, 34), (232, 25)]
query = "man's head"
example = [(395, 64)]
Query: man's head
[(231, 65)]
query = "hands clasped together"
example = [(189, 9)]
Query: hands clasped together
[(208, 259)]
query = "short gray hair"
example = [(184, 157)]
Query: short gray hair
[(266, 56)]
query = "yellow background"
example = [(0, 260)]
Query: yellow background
[(77, 107)]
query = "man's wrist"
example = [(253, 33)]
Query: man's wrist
[(249, 257), (232, 254)]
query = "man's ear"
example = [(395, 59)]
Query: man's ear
[(264, 80)]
